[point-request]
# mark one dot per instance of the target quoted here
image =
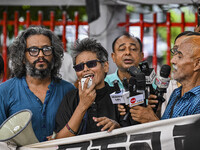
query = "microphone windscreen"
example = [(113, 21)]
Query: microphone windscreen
[(165, 71), (132, 81), (141, 81), (144, 67), (133, 70), (125, 83), (116, 86)]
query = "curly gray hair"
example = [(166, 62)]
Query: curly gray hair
[(18, 47)]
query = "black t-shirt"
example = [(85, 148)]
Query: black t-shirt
[(101, 107)]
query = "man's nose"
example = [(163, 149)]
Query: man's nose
[(40, 53), (127, 51), (173, 60)]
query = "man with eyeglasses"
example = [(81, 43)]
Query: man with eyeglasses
[(184, 100), (89, 108), (36, 56)]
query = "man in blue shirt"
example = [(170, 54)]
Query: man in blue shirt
[(127, 52), (185, 100), (36, 57)]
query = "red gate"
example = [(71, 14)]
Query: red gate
[(52, 23), (168, 24)]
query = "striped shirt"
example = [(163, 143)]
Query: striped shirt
[(188, 104)]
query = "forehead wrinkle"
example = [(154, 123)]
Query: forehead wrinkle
[(191, 45), (126, 37), (121, 44), (125, 44), (133, 44)]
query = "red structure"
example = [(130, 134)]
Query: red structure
[(64, 22), (168, 24), (51, 23)]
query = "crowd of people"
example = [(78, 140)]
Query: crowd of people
[(59, 106)]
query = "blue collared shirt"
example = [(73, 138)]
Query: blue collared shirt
[(112, 77), (15, 95), (188, 104)]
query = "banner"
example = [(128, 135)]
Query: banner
[(159, 135)]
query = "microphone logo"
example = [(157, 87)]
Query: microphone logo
[(133, 100)]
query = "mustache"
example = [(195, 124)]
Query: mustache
[(39, 59), (174, 66)]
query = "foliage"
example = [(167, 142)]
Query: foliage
[(46, 13), (175, 16), (129, 9)]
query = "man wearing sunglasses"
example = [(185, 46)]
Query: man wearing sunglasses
[(89, 108), (36, 85)]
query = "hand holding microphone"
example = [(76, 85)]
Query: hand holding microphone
[(87, 93), (161, 84)]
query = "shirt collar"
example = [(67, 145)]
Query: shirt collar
[(195, 91), (115, 76), (51, 85)]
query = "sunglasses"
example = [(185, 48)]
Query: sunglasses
[(34, 51), (89, 64)]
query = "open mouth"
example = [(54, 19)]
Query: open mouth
[(128, 61), (88, 75)]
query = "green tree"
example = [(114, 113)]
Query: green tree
[(175, 16), (46, 13)]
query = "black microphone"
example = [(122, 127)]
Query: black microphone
[(141, 87), (138, 82), (119, 96), (161, 84), (137, 86), (116, 86), (125, 83), (133, 71), (149, 75)]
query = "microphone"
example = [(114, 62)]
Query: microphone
[(138, 94), (133, 71), (141, 87), (119, 96), (116, 86), (125, 83), (161, 84), (149, 75)]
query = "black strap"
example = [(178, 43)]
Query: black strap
[(172, 109)]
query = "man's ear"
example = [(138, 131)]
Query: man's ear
[(113, 57), (1, 75), (197, 64), (142, 56), (106, 67)]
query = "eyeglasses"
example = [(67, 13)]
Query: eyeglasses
[(34, 51), (175, 51), (89, 64)]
